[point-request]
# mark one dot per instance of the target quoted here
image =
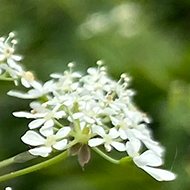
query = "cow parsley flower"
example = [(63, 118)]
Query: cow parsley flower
[(107, 139), (42, 115), (74, 113), (10, 68), (148, 161), (39, 90), (7, 51), (82, 112), (46, 143)]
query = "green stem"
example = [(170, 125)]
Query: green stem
[(75, 122), (57, 123), (7, 162), (112, 160), (35, 167), (6, 79)]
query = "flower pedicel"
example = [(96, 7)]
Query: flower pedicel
[(73, 114)]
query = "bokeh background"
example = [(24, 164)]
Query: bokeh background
[(148, 39)]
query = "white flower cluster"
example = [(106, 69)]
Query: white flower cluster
[(78, 112), (10, 69)]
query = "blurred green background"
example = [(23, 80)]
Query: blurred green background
[(148, 39)]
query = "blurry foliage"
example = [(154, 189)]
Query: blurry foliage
[(172, 15), (155, 54)]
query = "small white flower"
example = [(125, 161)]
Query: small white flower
[(149, 143), (133, 146), (100, 111), (97, 82), (26, 78), (67, 82), (107, 139), (13, 72), (7, 51), (148, 161), (46, 144), (88, 113), (38, 90), (43, 116)]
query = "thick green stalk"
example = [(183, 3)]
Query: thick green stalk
[(35, 167)]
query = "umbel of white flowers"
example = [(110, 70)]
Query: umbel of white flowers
[(76, 113)]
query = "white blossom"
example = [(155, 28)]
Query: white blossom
[(7, 51), (148, 161), (99, 112), (107, 139), (38, 90), (46, 143), (42, 116)]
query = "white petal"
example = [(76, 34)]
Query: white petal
[(23, 114), (122, 134), (130, 134), (33, 138), (60, 145), (36, 123), (59, 114), (114, 107), (27, 115), (148, 158), (17, 57), (63, 132), (114, 120), (98, 130), (36, 85), (88, 119), (92, 71), (56, 75), (152, 158), (25, 83), (133, 146), (76, 75), (107, 147), (46, 131), (19, 69), (48, 85), (68, 102), (77, 115), (49, 123), (160, 174), (118, 146), (95, 142), (149, 143), (41, 151), (74, 85), (35, 93), (109, 111), (113, 133), (11, 63), (2, 57), (144, 130), (20, 95), (154, 146)]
